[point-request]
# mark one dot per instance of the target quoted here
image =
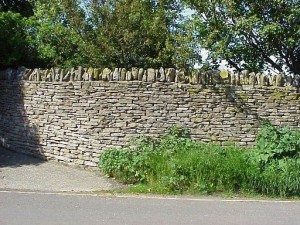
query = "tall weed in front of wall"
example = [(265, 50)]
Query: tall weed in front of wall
[(130, 165), (277, 160), (176, 164)]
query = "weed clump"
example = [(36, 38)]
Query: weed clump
[(276, 161), (177, 164)]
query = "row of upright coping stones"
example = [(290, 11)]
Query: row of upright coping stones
[(97, 74), (209, 77)]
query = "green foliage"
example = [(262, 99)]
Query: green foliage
[(68, 33), (257, 33), (57, 33), (277, 144), (15, 48), (151, 33), (277, 158), (129, 165), (131, 33), (126, 165), (278, 178), (205, 169), (176, 164)]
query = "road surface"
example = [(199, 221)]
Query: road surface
[(21, 208)]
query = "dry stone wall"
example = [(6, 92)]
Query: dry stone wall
[(74, 120)]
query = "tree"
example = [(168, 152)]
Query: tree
[(15, 47), (248, 34), (58, 33), (115, 33), (141, 33)]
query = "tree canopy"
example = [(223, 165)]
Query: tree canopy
[(116, 33), (254, 35), (248, 34), (134, 32)]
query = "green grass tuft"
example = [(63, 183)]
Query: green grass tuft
[(177, 164)]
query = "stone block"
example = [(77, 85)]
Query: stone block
[(96, 74), (123, 74), (90, 163), (135, 72), (106, 74), (151, 75), (180, 76), (116, 74), (141, 74), (129, 76), (171, 74), (162, 75), (79, 73)]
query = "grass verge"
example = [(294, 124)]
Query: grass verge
[(175, 164)]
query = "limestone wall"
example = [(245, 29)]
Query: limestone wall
[(73, 121)]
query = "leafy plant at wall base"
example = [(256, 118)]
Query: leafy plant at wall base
[(126, 165), (277, 160), (277, 143), (176, 164)]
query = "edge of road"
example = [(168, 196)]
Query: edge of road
[(103, 194)]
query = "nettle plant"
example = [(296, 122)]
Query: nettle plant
[(277, 143)]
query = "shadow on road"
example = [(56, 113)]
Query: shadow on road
[(14, 159)]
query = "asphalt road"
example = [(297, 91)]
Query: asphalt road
[(18, 208)]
